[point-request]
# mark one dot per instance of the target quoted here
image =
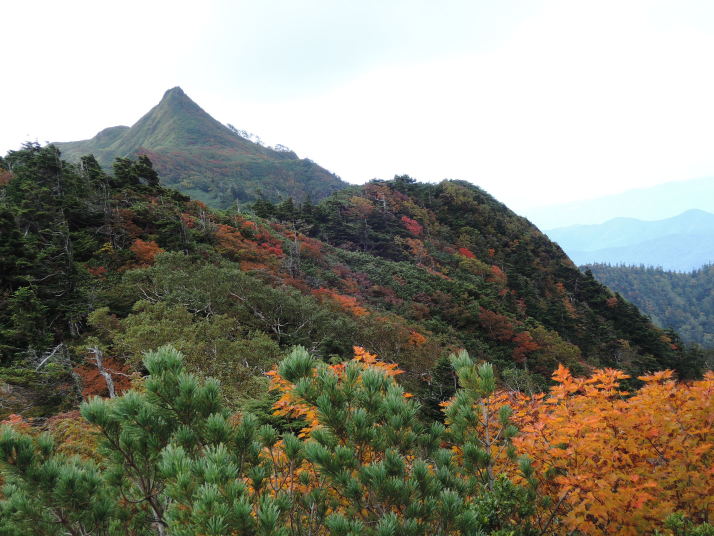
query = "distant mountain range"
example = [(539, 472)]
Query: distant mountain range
[(654, 203), (205, 159), (682, 243)]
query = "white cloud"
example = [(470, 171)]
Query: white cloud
[(570, 100)]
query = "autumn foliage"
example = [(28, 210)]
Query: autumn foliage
[(413, 226), (145, 251), (618, 462), (348, 304)]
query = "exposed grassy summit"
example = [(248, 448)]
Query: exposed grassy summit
[(198, 155)]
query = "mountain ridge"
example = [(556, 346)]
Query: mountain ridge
[(682, 243), (657, 202), (200, 156)]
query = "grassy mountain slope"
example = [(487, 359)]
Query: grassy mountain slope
[(198, 155), (119, 264)]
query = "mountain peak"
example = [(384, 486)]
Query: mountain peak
[(175, 99), (174, 92), (194, 152)]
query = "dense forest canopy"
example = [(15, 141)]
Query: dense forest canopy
[(682, 301), (363, 345), (411, 271)]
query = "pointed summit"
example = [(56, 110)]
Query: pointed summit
[(174, 91), (202, 157)]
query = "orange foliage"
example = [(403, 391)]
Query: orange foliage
[(346, 303), (290, 405), (416, 339), (417, 248), (18, 422), (360, 207), (145, 252), (232, 242), (498, 276), (229, 239), (124, 218), (622, 463), (303, 476)]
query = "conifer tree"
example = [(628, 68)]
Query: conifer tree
[(176, 463), (47, 494)]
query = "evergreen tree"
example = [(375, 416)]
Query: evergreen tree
[(175, 462)]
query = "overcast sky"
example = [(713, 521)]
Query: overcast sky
[(538, 102)]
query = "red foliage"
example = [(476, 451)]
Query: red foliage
[(145, 251), (188, 220), (524, 345), (413, 226), (5, 177), (99, 271), (124, 218), (497, 325), (276, 250), (94, 384), (467, 253)]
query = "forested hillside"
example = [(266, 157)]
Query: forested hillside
[(377, 354), (411, 271), (682, 301)]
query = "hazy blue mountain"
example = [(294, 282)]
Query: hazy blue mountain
[(654, 203), (205, 159), (683, 243)]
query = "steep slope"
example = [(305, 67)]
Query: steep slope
[(655, 203), (684, 243), (410, 271), (198, 155), (680, 301)]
